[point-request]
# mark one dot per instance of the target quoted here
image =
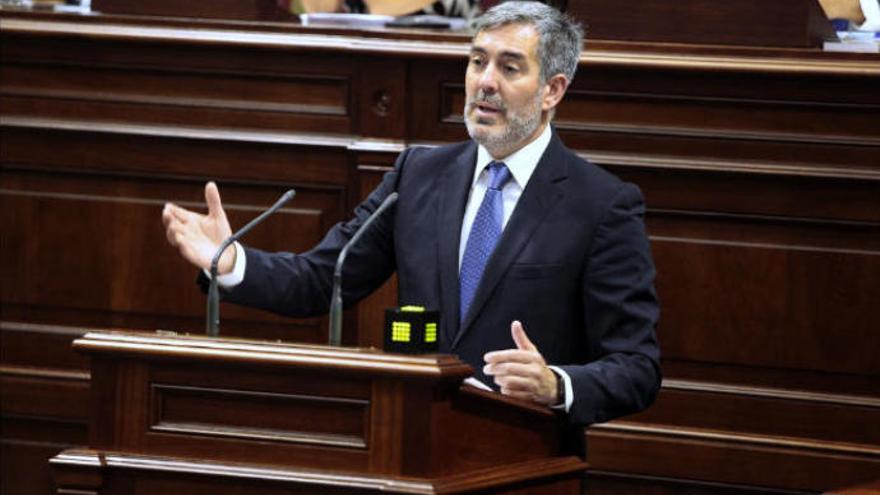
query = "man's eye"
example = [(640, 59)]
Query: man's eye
[(478, 62), (511, 69)]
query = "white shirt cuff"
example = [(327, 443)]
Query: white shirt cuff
[(569, 392), (236, 276), (871, 11)]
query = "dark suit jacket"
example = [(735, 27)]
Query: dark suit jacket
[(573, 264)]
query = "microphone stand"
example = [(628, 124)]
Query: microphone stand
[(213, 313), (336, 298)]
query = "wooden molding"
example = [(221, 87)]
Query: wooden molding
[(773, 393), (633, 160), (474, 480), (305, 356), (742, 440)]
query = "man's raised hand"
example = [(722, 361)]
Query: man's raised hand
[(197, 236), (522, 372)]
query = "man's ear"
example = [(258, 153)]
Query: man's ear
[(554, 90)]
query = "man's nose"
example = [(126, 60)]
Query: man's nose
[(489, 80)]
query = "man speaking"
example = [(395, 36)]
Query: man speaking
[(537, 260)]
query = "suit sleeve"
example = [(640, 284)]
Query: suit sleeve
[(620, 313), (300, 284)]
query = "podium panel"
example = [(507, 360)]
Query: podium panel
[(191, 414)]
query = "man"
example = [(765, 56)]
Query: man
[(532, 255)]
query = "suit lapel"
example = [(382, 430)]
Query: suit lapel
[(538, 198), (453, 188)]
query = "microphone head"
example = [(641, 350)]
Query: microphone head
[(287, 196)]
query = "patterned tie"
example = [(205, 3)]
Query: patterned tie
[(484, 235)]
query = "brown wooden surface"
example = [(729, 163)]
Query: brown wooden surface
[(781, 23), (265, 10), (186, 413), (759, 166), (871, 488)]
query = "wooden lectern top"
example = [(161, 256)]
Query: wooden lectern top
[(170, 345)]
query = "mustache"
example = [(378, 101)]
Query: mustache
[(493, 100)]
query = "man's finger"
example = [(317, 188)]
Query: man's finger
[(514, 355), (182, 215), (516, 384), (166, 214), (171, 231), (530, 370), (520, 337), (212, 197)]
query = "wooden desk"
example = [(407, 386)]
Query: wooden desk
[(760, 168)]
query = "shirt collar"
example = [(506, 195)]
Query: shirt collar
[(521, 163)]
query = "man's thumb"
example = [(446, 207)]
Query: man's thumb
[(212, 197), (520, 338)]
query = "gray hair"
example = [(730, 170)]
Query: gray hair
[(560, 36)]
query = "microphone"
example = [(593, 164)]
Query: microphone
[(336, 298), (213, 323)]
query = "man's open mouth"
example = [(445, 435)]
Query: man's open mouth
[(487, 108)]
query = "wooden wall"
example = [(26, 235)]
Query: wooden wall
[(761, 169)]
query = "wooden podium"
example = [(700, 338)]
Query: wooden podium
[(182, 414)]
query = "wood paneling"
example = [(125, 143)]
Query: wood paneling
[(759, 167), (605, 483), (199, 410), (734, 459), (126, 475), (222, 99), (835, 419), (44, 399), (305, 415), (136, 82), (52, 252), (737, 267), (372, 166), (266, 10), (746, 22), (27, 444), (36, 348), (860, 489)]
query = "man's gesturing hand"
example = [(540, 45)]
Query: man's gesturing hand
[(522, 372), (198, 237)]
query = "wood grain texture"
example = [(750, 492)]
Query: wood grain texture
[(750, 22), (27, 444), (861, 489), (732, 459), (120, 475), (324, 417), (265, 10), (125, 208), (238, 414), (759, 167), (605, 483)]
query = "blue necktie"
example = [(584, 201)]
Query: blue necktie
[(484, 235)]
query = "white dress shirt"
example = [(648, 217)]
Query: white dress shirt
[(521, 164)]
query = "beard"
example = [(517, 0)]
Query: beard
[(520, 125)]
